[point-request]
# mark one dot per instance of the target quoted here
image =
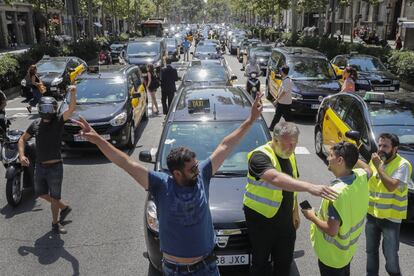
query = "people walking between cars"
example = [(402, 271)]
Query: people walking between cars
[(152, 86), (49, 167), (186, 230), (388, 191), (336, 228), (36, 86), (168, 77), (350, 77), (186, 46), (283, 99), (270, 204)]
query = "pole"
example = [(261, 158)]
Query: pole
[(352, 22)]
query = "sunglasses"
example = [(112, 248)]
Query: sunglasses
[(194, 169)]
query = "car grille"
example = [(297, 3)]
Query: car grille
[(238, 242), (381, 82), (100, 129)]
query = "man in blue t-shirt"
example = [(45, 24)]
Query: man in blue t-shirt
[(185, 224)]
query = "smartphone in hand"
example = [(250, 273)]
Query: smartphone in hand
[(305, 205)]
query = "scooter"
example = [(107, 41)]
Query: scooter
[(253, 84), (18, 178)]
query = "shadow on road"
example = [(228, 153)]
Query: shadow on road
[(28, 204), (49, 248), (304, 120), (407, 234)]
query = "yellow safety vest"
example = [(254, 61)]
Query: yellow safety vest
[(384, 204), (263, 197), (351, 205)]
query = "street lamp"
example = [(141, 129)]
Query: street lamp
[(388, 7)]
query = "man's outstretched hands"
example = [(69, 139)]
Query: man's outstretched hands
[(323, 191), (257, 107), (87, 131)]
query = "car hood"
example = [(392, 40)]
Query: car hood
[(226, 199), (96, 112), (323, 88), (377, 75), (141, 60), (49, 77)]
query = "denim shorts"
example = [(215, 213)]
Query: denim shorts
[(48, 179)]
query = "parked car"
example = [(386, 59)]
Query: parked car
[(206, 52), (173, 49), (199, 119), (370, 115), (56, 73), (372, 73), (113, 100), (207, 75), (312, 75), (116, 49), (243, 48), (262, 54)]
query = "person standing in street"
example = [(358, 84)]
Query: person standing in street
[(283, 99), (186, 47), (388, 191), (186, 230), (336, 228), (350, 77), (270, 204), (168, 78), (36, 85), (49, 167), (152, 86)]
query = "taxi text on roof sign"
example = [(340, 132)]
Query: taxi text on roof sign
[(199, 106)]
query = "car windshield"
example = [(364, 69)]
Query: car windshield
[(311, 69), (51, 67), (171, 42), (92, 91), (366, 64), (143, 49), (204, 49), (210, 73), (203, 138), (261, 51)]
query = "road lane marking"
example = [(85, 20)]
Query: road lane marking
[(17, 109)]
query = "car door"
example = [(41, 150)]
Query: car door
[(334, 127)]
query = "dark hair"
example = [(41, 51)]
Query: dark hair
[(177, 157), (348, 151), (32, 70), (285, 69), (395, 141), (352, 72), (150, 68)]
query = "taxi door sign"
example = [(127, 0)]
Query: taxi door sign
[(199, 106)]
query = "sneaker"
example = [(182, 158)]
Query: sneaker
[(58, 229), (64, 213)]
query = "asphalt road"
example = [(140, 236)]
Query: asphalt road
[(105, 229)]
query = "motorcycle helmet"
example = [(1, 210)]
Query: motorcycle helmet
[(47, 108)]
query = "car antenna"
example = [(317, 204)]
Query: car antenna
[(214, 112)]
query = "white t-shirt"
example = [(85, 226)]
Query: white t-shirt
[(286, 86)]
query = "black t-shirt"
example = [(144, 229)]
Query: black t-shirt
[(48, 138), (259, 163), (3, 99)]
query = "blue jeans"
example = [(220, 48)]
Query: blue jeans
[(36, 96), (390, 245), (210, 269)]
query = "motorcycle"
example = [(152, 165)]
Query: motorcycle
[(253, 84), (18, 178)]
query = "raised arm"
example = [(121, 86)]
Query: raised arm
[(231, 140), (72, 104), (122, 160), (21, 145)]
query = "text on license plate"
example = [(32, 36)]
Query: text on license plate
[(384, 88), (79, 138), (315, 106), (233, 260)]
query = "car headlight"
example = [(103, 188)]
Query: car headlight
[(359, 81), (119, 119), (151, 214), (395, 82), (261, 60), (23, 82), (296, 96), (56, 81)]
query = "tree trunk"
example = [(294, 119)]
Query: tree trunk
[(333, 5), (90, 20), (352, 22), (294, 20)]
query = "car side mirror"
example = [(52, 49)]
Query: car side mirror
[(145, 156), (353, 135), (233, 77), (136, 95)]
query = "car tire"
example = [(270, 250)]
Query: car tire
[(319, 142), (131, 136)]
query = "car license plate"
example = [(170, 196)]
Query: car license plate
[(53, 88), (79, 138), (315, 106), (386, 88), (225, 260)]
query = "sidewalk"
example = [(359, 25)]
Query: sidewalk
[(19, 50)]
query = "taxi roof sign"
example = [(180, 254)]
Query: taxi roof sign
[(374, 97), (198, 106)]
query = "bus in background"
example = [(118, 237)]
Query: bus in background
[(153, 27)]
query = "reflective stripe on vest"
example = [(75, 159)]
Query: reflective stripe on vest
[(384, 204), (351, 205), (261, 196)]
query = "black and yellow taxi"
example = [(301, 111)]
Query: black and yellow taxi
[(199, 119), (312, 75), (372, 73), (56, 74), (113, 100), (367, 114)]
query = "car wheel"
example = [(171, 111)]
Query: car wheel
[(131, 136), (319, 142)]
